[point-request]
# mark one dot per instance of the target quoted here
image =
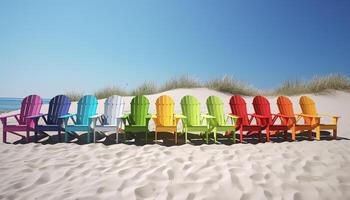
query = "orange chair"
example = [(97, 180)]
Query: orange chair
[(308, 108), (285, 107)]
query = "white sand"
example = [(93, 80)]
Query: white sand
[(287, 170)]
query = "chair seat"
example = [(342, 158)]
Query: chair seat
[(16, 128), (77, 128), (166, 128), (198, 128), (226, 128), (48, 128)]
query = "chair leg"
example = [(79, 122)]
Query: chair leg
[(4, 136), (155, 137), (66, 137), (293, 134), (207, 138), (147, 137), (318, 133), (241, 135), (59, 136), (309, 134), (28, 135), (175, 133), (267, 135), (334, 134), (234, 137), (36, 136), (259, 136), (215, 136)]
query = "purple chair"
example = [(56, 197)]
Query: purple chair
[(58, 106), (30, 106)]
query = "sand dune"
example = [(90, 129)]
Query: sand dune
[(276, 170)]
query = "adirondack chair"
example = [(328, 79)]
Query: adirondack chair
[(308, 108), (262, 107), (245, 120), (111, 119), (194, 121), (165, 119), (215, 108), (30, 106), (58, 106), (138, 119), (87, 106), (285, 107)]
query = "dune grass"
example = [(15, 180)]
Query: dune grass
[(184, 81), (227, 84), (74, 96), (147, 87), (109, 91), (317, 85)]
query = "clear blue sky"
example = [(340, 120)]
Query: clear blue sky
[(51, 47)]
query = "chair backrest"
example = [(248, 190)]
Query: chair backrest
[(285, 106), (239, 108), (87, 106), (139, 109), (307, 105), (215, 108), (262, 107), (165, 111), (191, 109), (30, 106), (114, 106), (58, 106)]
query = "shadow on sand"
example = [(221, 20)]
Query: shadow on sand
[(167, 139)]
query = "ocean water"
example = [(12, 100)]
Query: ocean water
[(9, 104)]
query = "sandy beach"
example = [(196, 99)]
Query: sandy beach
[(276, 170)]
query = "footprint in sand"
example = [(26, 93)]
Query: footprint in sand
[(44, 178), (145, 191)]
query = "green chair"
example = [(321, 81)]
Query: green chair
[(220, 122), (137, 120), (194, 121)]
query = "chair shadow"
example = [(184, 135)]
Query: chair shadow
[(167, 139)]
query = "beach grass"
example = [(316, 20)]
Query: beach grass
[(228, 84), (148, 87), (74, 96), (317, 85), (109, 91)]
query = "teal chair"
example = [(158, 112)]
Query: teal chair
[(87, 106)]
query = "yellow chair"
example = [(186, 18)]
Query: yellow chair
[(308, 108), (165, 119)]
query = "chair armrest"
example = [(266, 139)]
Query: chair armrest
[(259, 116), (207, 116), (328, 115), (180, 116), (285, 116), (36, 116), (232, 116), (154, 116), (66, 116), (148, 116), (8, 116), (311, 116), (95, 116)]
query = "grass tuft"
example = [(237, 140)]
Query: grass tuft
[(317, 85), (146, 88), (184, 81), (109, 91), (74, 96), (229, 85)]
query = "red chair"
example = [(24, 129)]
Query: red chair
[(262, 107), (244, 122)]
